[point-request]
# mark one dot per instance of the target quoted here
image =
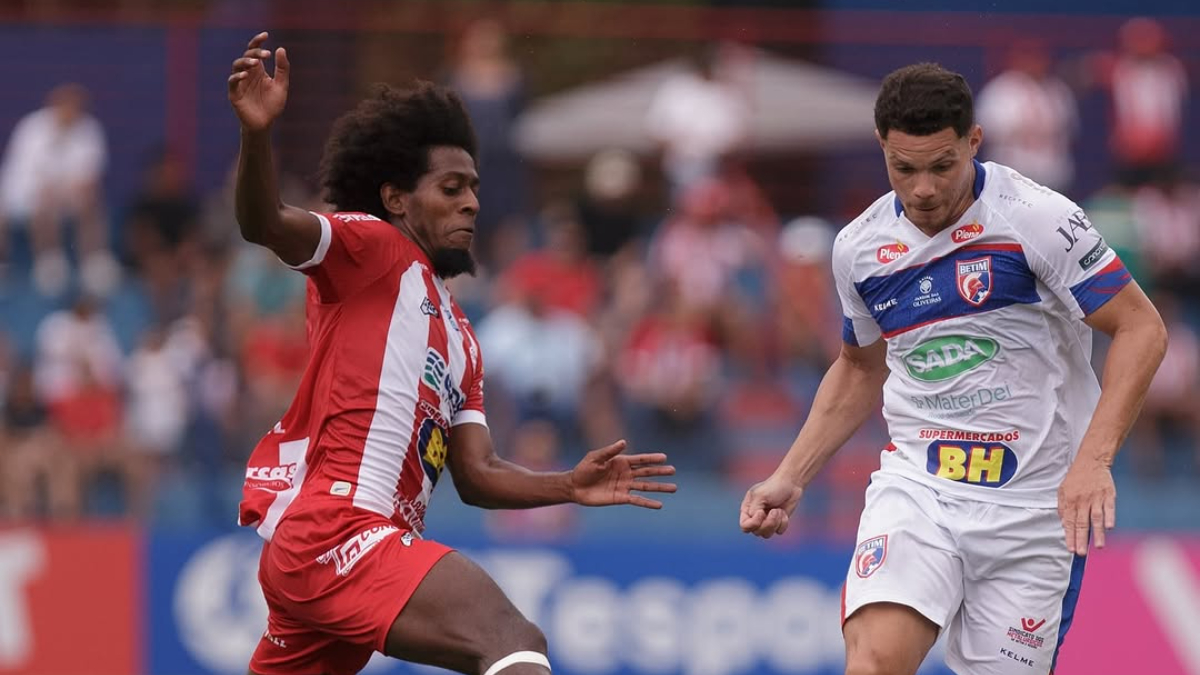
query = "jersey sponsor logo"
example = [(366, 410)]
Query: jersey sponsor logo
[(437, 377), (1076, 223), (431, 446), (928, 294), (277, 641), (888, 304), (969, 436), (412, 511), (947, 357), (430, 309), (869, 556), (974, 279), (966, 233), (274, 478), (353, 217), (346, 555), (960, 404), (891, 252), (984, 464), (1093, 256)]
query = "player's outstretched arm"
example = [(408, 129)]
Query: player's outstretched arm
[(258, 99), (1087, 498), (848, 395), (603, 477)]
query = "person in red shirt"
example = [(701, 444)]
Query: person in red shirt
[(392, 394)]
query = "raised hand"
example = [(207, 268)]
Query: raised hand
[(606, 477), (768, 507), (256, 97)]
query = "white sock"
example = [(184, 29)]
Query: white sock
[(518, 657)]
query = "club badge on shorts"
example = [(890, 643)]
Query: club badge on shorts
[(869, 556)]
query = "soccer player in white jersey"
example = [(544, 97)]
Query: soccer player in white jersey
[(970, 294), (393, 392)]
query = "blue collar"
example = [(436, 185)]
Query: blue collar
[(976, 189)]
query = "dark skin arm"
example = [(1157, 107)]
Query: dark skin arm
[(604, 477), (1087, 498), (258, 99)]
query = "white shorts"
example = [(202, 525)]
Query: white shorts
[(997, 579)]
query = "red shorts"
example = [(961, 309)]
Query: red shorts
[(334, 584)]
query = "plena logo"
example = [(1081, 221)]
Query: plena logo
[(966, 233), (947, 357), (891, 252)]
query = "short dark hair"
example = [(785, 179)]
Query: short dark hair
[(386, 139), (923, 99)]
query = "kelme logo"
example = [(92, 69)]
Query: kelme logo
[(950, 356)]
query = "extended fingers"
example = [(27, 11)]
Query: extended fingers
[(645, 503), (651, 486), (646, 458), (651, 471)]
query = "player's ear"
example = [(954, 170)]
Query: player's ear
[(394, 199), (975, 138)]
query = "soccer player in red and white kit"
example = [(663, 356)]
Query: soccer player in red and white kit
[(393, 392)]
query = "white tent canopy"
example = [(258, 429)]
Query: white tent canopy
[(795, 106)]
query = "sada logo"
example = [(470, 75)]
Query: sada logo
[(947, 357)]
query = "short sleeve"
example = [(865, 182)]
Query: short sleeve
[(472, 410), (859, 328), (1071, 258), (355, 250)]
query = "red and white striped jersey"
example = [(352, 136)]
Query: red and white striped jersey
[(393, 367)]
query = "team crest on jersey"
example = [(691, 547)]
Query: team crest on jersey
[(869, 556), (974, 279)]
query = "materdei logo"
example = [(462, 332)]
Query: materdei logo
[(891, 252), (966, 233)]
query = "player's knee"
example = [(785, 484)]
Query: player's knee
[(518, 635), (528, 637)]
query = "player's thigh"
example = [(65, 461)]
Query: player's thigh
[(904, 581), (458, 618), (904, 554), (885, 637), (1019, 597)]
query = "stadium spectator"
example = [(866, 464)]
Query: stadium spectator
[(1030, 116), (51, 176)]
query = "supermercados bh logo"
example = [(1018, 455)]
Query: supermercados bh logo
[(977, 458), (943, 358)]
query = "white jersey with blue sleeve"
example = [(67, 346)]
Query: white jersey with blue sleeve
[(991, 385)]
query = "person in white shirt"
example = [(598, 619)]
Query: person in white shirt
[(51, 174), (1031, 118), (970, 294)]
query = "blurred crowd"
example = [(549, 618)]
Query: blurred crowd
[(138, 370)]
